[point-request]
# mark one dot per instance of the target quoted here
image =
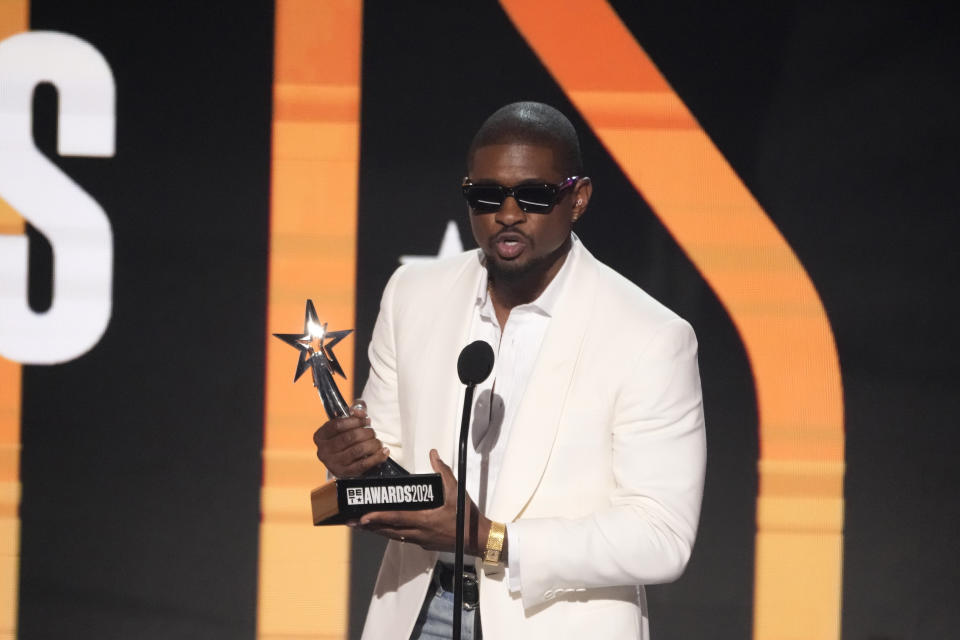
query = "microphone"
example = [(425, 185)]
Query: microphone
[(475, 363), (473, 366)]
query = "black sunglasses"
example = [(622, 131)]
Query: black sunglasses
[(531, 198)]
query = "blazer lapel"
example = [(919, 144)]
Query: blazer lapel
[(541, 409), (439, 394)]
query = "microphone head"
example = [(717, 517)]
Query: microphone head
[(475, 362)]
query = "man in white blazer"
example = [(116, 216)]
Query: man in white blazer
[(590, 463)]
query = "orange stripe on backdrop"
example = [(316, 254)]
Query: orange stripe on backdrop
[(709, 211), (304, 570), (14, 18)]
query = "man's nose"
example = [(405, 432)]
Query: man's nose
[(510, 213)]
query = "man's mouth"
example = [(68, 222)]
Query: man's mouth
[(510, 245)]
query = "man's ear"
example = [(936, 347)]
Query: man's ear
[(581, 197)]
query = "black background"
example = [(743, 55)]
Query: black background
[(141, 460)]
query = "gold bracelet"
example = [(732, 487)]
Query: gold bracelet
[(494, 543)]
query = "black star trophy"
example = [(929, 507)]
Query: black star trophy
[(385, 487)]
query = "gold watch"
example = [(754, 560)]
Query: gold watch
[(491, 554)]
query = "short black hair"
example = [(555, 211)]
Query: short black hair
[(532, 123)]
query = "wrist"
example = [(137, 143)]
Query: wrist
[(480, 542)]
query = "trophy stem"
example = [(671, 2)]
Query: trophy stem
[(333, 401)]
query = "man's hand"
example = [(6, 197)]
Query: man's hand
[(346, 447), (434, 529)]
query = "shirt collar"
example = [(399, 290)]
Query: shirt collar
[(547, 301)]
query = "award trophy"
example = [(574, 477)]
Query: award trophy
[(385, 487)]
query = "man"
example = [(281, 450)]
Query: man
[(587, 447)]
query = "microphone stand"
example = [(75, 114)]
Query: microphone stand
[(461, 507), (473, 366)]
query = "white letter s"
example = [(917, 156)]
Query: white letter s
[(76, 226)]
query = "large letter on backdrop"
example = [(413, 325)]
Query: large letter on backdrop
[(75, 225), (705, 206), (32, 188), (304, 572)]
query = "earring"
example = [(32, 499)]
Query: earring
[(579, 202)]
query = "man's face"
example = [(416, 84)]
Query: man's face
[(518, 243)]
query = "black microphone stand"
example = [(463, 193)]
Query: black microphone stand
[(461, 507), (473, 366)]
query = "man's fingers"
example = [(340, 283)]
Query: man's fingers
[(440, 466), (413, 536), (390, 520), (358, 467), (348, 438), (351, 422), (346, 447), (359, 451), (446, 475), (343, 458), (333, 428)]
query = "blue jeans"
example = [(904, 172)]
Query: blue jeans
[(435, 621)]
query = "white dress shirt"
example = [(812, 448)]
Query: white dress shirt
[(496, 399)]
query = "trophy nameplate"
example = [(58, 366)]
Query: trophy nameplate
[(386, 487)]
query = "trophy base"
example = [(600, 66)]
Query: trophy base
[(349, 498)]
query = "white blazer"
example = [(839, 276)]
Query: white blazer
[(603, 472)]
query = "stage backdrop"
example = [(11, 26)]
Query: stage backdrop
[(176, 179)]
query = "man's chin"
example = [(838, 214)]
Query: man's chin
[(508, 270)]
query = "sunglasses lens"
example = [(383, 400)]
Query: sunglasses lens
[(536, 199), (533, 198), (483, 198)]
